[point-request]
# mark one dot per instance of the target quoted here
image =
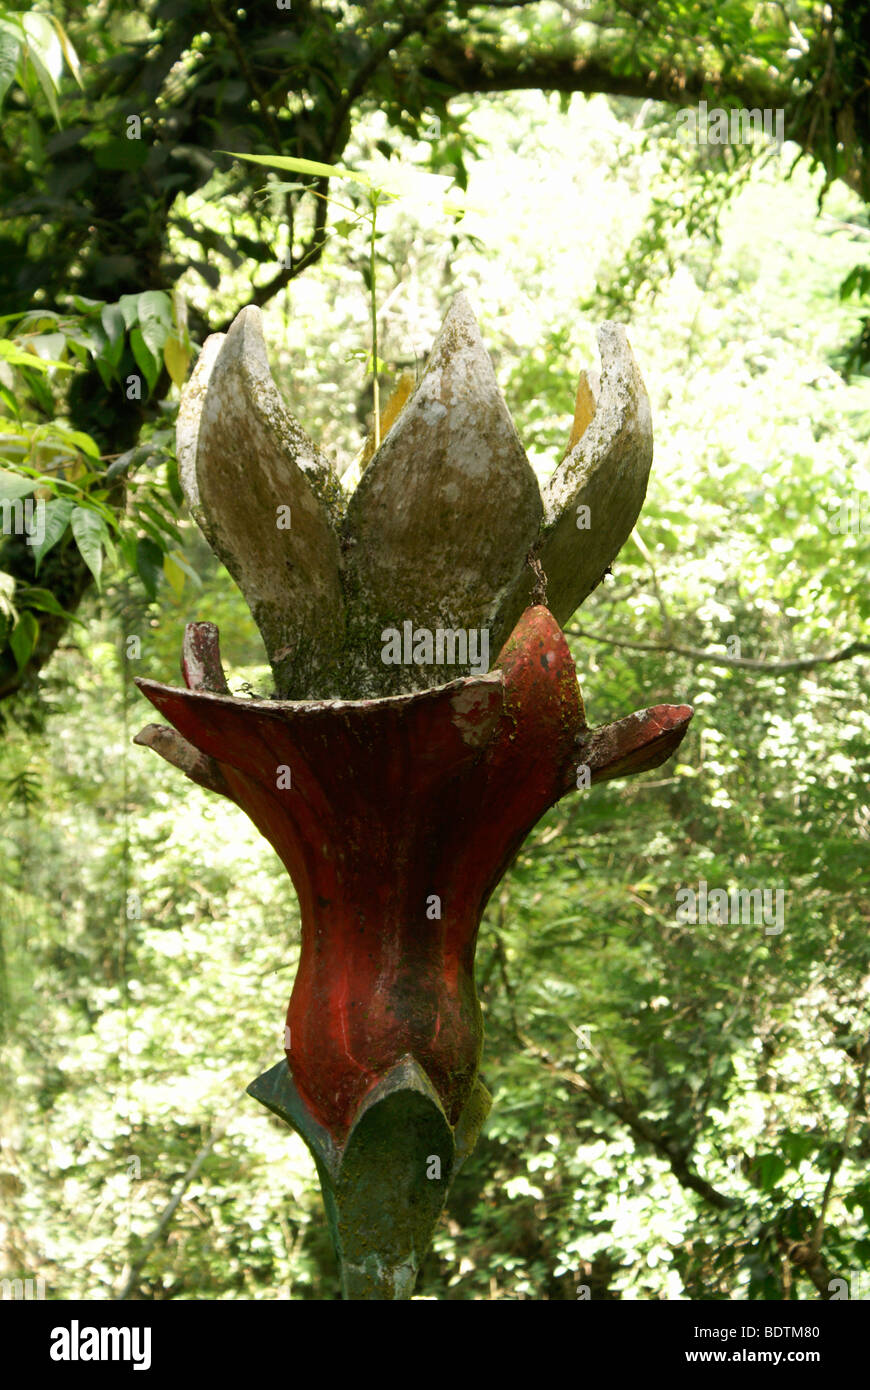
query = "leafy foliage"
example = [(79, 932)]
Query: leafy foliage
[(680, 1108), (114, 192)]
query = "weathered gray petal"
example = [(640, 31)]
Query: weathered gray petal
[(607, 471), (444, 515), (242, 457)]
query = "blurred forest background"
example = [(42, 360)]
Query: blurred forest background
[(680, 1110)]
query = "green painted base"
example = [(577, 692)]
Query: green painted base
[(386, 1188)]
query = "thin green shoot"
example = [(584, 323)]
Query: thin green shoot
[(375, 196)]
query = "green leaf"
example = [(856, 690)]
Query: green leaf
[(177, 360), (157, 533), (44, 43), (92, 337), (38, 389), (105, 371), (15, 444), (860, 1197), (179, 313), (174, 574), (120, 154), (300, 166), (114, 322), (179, 560), (85, 305), (164, 524), (857, 282), (155, 334), (110, 547), (149, 563), (45, 601), (81, 352), (89, 530), (155, 304), (155, 321), (10, 52), (45, 82), (173, 483), (769, 1168), (85, 442), (12, 486), (69, 52), (146, 361), (23, 639), (48, 346), (12, 353), (39, 321), (797, 1146), (128, 550), (57, 515), (129, 306)]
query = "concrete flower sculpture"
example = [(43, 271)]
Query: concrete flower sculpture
[(396, 791)]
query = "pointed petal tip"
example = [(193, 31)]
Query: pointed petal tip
[(459, 304), (245, 340), (460, 317), (250, 314), (609, 330), (668, 719), (452, 465), (638, 742)]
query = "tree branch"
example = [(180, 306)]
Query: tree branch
[(415, 23), (261, 294), (169, 1211), (465, 70), (314, 250), (603, 69), (808, 1257), (805, 1257), (247, 71), (745, 663), (675, 1156), (666, 617)]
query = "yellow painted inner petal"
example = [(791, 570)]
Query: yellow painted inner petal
[(584, 409), (399, 397)]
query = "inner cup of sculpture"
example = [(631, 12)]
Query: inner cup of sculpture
[(395, 773)]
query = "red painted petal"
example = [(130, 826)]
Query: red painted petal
[(396, 818), (641, 741)]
